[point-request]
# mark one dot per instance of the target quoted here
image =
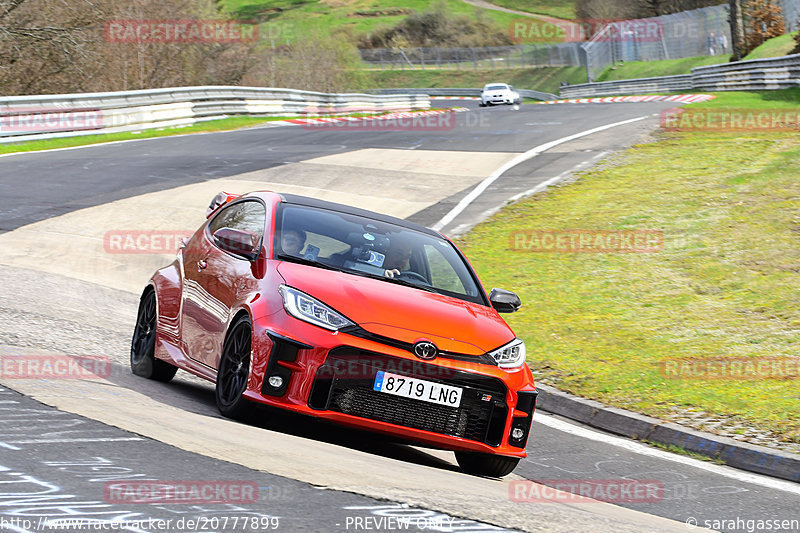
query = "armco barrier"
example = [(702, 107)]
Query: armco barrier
[(63, 115), (751, 75), (524, 93), (625, 87)]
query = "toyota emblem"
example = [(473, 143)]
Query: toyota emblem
[(425, 350)]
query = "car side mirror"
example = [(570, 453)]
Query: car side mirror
[(221, 198), (238, 242), (504, 301)]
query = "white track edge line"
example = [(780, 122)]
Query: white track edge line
[(642, 449), (530, 154)]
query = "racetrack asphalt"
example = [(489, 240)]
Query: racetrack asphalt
[(48, 308)]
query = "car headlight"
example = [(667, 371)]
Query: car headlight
[(301, 305), (512, 355)]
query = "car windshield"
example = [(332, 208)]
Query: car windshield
[(496, 87), (372, 248)]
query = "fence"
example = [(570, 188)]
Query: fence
[(757, 74), (531, 55), (699, 32), (791, 14), (39, 117)]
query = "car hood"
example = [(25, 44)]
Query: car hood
[(403, 313)]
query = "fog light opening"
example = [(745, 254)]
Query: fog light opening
[(517, 433), (275, 382)]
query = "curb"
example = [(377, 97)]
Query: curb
[(750, 457), (677, 98)]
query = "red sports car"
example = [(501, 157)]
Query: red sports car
[(336, 312)]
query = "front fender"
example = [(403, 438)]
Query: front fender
[(167, 284)]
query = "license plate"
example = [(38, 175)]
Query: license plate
[(419, 389)]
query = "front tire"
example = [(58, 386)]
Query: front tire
[(234, 371), (143, 344), (484, 464)]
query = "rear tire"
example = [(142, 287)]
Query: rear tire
[(143, 344), (234, 371), (484, 464)]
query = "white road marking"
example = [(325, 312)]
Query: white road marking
[(530, 154), (642, 449), (9, 446), (461, 228)]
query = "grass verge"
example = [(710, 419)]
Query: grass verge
[(299, 19), (775, 47), (546, 79), (225, 124), (602, 325), (666, 67)]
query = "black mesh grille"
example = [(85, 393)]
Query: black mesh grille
[(480, 417)]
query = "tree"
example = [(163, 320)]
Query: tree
[(737, 30), (764, 21)]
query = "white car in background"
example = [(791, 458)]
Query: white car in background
[(499, 93)]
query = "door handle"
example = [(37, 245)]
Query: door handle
[(201, 265)]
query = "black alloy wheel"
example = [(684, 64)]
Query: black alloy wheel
[(234, 370), (143, 344)]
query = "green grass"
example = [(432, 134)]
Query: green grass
[(775, 47), (225, 124), (299, 19), (547, 79), (667, 67), (563, 9), (81, 140), (724, 286)]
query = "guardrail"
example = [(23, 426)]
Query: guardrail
[(625, 87), (63, 115), (751, 75), (460, 91)]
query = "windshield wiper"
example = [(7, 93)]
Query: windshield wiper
[(410, 284), (304, 261), (393, 280)]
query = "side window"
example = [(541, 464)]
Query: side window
[(250, 216), (443, 276)]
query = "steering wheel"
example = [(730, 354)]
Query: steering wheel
[(411, 275)]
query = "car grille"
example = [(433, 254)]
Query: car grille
[(344, 384)]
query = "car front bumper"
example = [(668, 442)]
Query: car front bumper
[(330, 375)]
